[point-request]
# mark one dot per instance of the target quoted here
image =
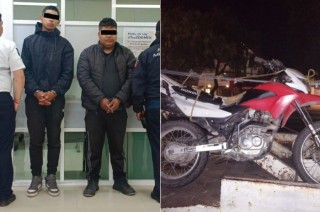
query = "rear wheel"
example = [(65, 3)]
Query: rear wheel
[(306, 155), (181, 169)]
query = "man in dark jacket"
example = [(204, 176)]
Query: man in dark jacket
[(104, 74), (146, 101), (48, 58)]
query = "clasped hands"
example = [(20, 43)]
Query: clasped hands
[(45, 98), (109, 105)]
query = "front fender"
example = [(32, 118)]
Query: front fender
[(304, 100)]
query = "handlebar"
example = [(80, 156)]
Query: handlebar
[(273, 65)]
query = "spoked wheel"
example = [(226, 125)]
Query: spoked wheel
[(181, 169), (306, 155)]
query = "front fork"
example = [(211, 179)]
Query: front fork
[(308, 122)]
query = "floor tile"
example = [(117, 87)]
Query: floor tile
[(72, 200)]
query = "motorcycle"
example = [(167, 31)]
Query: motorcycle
[(240, 127)]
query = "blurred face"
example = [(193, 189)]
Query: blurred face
[(1, 28), (107, 38), (49, 20)]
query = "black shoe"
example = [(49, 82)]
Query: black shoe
[(124, 187), (8, 201), (155, 196), (91, 188)]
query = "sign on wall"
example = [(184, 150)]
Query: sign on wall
[(138, 39)]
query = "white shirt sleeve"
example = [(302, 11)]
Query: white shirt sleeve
[(15, 61)]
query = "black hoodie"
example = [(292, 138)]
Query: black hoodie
[(49, 59)]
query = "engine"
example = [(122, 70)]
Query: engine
[(253, 137), (253, 140)]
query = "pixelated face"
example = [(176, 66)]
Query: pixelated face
[(50, 20), (108, 36)]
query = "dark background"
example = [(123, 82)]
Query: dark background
[(288, 30)]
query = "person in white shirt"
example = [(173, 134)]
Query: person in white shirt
[(10, 65)]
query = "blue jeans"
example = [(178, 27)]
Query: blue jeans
[(7, 128)]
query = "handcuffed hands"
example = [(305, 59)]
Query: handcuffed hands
[(109, 106), (45, 98), (114, 104)]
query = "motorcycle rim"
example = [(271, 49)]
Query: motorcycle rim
[(181, 169), (307, 156)]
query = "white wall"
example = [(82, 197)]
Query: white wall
[(6, 9)]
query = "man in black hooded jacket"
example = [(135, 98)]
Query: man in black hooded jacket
[(48, 58)]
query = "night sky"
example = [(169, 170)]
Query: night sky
[(288, 30)]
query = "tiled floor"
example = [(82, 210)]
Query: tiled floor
[(72, 200)]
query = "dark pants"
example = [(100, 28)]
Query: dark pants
[(153, 132), (7, 128), (98, 123), (39, 119)]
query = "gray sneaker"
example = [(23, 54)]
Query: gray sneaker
[(35, 186), (51, 185)]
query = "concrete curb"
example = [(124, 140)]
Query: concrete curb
[(196, 208), (265, 195)]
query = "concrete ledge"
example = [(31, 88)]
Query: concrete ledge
[(243, 194), (196, 208)]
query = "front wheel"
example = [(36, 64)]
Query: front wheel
[(181, 169), (306, 155)]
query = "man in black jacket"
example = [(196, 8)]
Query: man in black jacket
[(48, 58), (146, 101), (104, 74)]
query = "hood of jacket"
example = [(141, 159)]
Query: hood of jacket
[(39, 31)]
